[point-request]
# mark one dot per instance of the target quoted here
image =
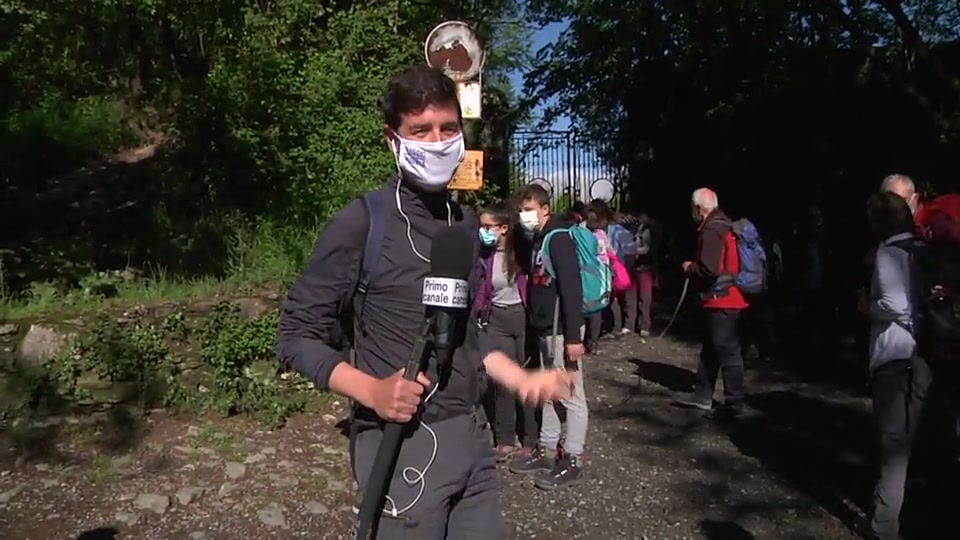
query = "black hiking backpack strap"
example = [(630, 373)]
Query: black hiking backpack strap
[(376, 226)]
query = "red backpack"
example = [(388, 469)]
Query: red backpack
[(938, 221), (937, 258)]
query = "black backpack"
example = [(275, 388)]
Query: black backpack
[(649, 249), (350, 319), (936, 271)]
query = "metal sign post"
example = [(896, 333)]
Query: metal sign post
[(455, 47)]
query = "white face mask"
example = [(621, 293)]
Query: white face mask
[(430, 165), (529, 220)]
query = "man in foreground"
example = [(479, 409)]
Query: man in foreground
[(445, 484)]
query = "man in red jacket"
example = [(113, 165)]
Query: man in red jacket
[(713, 273)]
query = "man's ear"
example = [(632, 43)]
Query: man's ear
[(546, 209), (389, 138)]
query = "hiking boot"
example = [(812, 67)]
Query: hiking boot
[(724, 412), (695, 400), (504, 452), (567, 472), (531, 460)]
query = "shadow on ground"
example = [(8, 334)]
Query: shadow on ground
[(102, 533), (820, 442), (724, 530), (837, 362), (117, 430), (673, 378), (814, 446)]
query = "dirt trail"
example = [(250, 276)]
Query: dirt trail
[(655, 471)]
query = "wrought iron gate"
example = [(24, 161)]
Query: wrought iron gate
[(568, 167)]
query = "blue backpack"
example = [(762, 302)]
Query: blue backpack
[(595, 277), (622, 241), (752, 278)]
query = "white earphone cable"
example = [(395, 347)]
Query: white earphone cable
[(407, 220), (413, 476)]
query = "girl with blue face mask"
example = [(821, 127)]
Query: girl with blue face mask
[(501, 312)]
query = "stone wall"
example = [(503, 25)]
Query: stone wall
[(32, 344)]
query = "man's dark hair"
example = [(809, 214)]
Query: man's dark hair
[(416, 88), (533, 192), (889, 215)]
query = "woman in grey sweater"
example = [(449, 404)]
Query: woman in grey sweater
[(899, 378)]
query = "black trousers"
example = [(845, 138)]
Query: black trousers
[(720, 355), (510, 417)]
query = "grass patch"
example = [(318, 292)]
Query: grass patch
[(103, 469), (264, 255), (219, 440)]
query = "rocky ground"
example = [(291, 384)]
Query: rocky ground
[(797, 465)]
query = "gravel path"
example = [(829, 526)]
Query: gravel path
[(797, 465), (658, 471)]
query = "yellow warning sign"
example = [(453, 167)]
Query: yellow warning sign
[(469, 176)]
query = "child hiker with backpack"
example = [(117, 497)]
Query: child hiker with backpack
[(598, 217), (624, 305), (562, 289)]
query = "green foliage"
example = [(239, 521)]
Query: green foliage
[(269, 113), (759, 100), (230, 346), (131, 358), (487, 195)]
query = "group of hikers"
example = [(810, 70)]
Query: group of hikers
[(548, 279), (541, 288), (909, 302)]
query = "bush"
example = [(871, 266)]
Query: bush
[(218, 362)]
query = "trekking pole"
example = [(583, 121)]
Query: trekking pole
[(676, 310), (385, 461)]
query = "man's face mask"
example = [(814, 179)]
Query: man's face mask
[(529, 220), (429, 165)]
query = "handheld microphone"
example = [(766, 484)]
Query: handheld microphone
[(446, 295), (446, 291)]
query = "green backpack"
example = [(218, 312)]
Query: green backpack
[(595, 277)]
